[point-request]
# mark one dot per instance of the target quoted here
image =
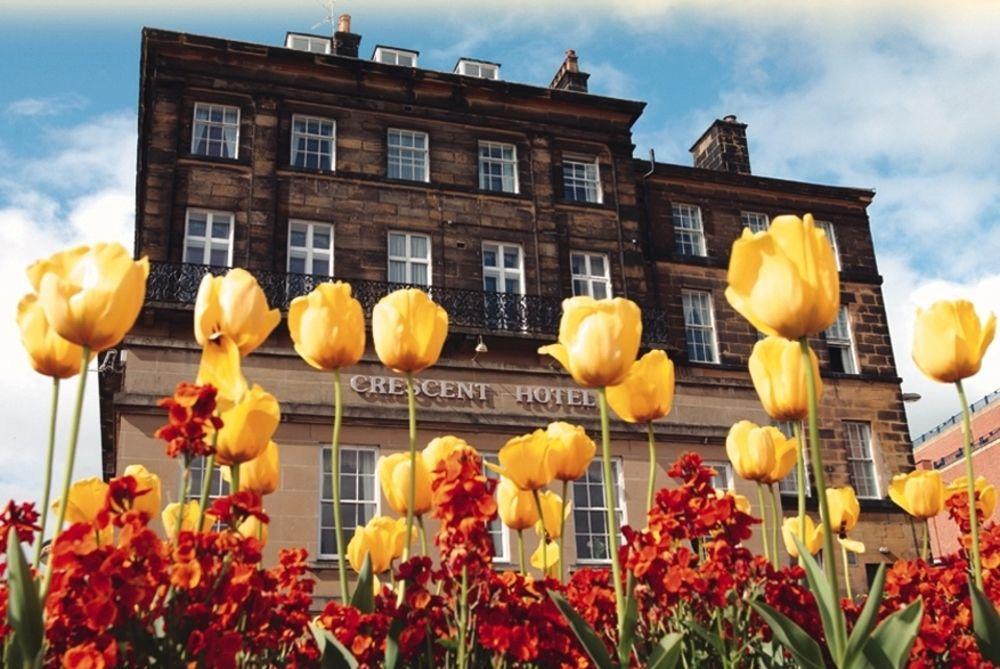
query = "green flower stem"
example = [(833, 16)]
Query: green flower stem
[(609, 502), (562, 531), (182, 491), (970, 475), (925, 547), (463, 625), (800, 474), (778, 516), (47, 492), (651, 486), (423, 536), (234, 478), (74, 435), (206, 484), (765, 535), (520, 551), (544, 532), (847, 572), (338, 522), (411, 402)]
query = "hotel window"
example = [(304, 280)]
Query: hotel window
[(359, 500), (498, 531), (310, 248), (313, 143), (216, 130), (756, 221), (409, 258), (699, 326), (498, 167), (790, 484), (827, 227), (860, 463), (308, 43), (408, 155), (841, 345), (475, 68), (723, 479), (390, 56), (581, 180), (208, 238), (590, 274), (689, 233), (590, 515), (503, 271), (217, 487)]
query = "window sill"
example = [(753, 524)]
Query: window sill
[(591, 206), (215, 160)]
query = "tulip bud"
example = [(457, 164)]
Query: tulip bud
[(844, 509), (328, 326), (647, 393), (252, 528), (235, 306), (920, 493), (761, 454), (949, 340), (189, 520), (515, 507), (48, 353), (780, 380), (570, 450), (261, 474), (394, 477), (408, 329), (525, 461), (381, 539), (791, 529), (149, 501), (247, 427), (550, 558), (86, 499), (552, 514)]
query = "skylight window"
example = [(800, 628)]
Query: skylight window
[(309, 43), (477, 68), (392, 56)]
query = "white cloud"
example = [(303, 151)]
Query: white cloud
[(49, 106)]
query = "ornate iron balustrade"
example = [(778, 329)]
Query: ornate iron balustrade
[(175, 283)]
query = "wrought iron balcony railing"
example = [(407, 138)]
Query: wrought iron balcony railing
[(176, 283)]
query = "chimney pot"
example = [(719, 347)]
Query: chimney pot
[(345, 43), (569, 77), (723, 147), (344, 23)]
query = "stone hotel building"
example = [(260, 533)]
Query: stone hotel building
[(309, 160)]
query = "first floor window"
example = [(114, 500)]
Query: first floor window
[(831, 236), (313, 143), (860, 462), (215, 131), (840, 343), (581, 180), (723, 479), (689, 233), (699, 326), (590, 513), (408, 155), (590, 274), (756, 221), (358, 495), (498, 531), (310, 248), (502, 268), (208, 238), (409, 258), (498, 167)]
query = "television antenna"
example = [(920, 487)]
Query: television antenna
[(330, 16)]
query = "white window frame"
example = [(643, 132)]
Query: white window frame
[(388, 55), (500, 273), (686, 295), (621, 507), (374, 450), (755, 221), (331, 138), (310, 42), (216, 490), (689, 229), (515, 186), (840, 341), (478, 69), (589, 278), (589, 184), (831, 235), (407, 258), (308, 252), (725, 471), (196, 123), (865, 456), (506, 557), (207, 240), (411, 153)]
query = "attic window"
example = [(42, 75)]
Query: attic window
[(308, 43), (478, 68), (391, 56)]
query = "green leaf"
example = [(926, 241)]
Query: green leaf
[(826, 600), (985, 624), (866, 621), (791, 636), (392, 643), (588, 638), (24, 608), (889, 645), (713, 639), (364, 592), (666, 653), (334, 654), (629, 624)]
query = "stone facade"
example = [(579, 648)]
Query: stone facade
[(510, 389)]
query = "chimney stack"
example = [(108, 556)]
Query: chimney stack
[(569, 77), (723, 147), (345, 43)]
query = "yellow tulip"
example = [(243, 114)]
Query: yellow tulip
[(740, 501), (986, 494), (844, 509), (440, 449), (382, 539), (235, 306), (328, 326), (408, 329), (247, 427), (552, 512), (148, 503), (761, 454), (550, 558), (780, 380), (394, 478), (647, 393), (598, 340), (920, 493), (261, 474), (949, 340), (570, 450), (852, 545), (86, 498), (252, 528), (516, 507), (784, 280), (91, 294), (49, 353), (525, 461), (220, 367), (188, 521), (791, 529)]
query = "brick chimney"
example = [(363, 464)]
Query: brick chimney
[(345, 43), (569, 77), (723, 147)]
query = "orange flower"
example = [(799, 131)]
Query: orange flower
[(185, 575)]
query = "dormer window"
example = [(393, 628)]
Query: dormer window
[(477, 68), (392, 56), (309, 43)]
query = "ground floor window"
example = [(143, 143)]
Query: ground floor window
[(358, 494), (590, 512)]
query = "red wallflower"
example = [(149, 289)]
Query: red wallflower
[(190, 415)]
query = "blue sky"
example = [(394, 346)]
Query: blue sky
[(898, 96)]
